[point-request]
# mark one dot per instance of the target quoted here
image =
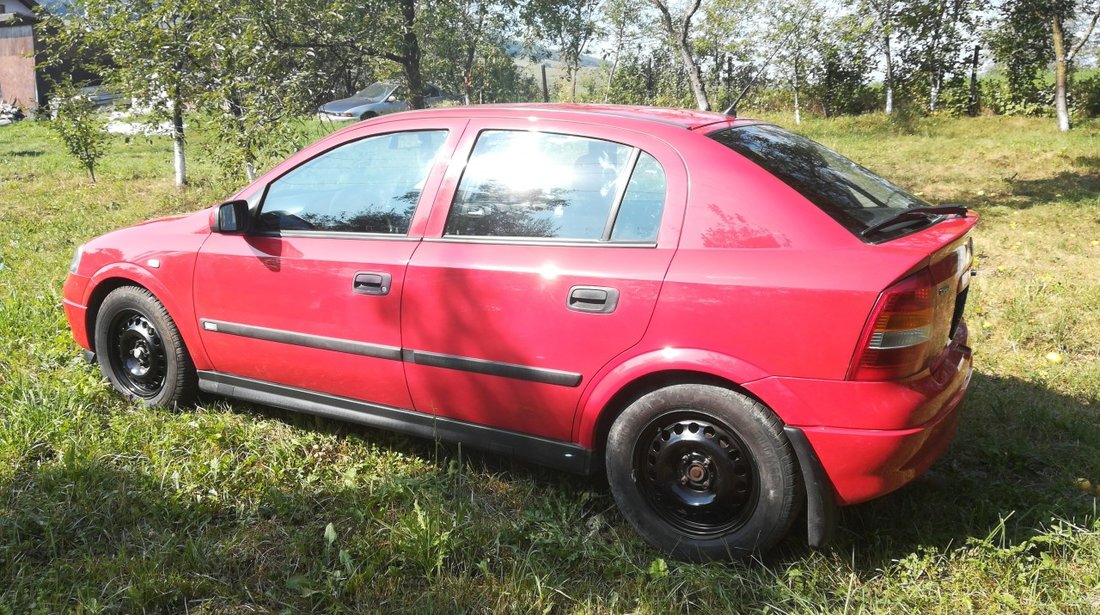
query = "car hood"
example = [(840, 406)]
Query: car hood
[(346, 104)]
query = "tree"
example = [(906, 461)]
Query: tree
[(1033, 34), (679, 33), (1064, 59), (81, 129), (154, 54), (883, 15)]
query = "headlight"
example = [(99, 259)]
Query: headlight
[(76, 259)]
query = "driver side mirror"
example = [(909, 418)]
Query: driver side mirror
[(233, 218), (391, 98)]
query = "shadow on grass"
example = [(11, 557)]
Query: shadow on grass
[(1019, 448), (103, 527), (1068, 187), (26, 153)]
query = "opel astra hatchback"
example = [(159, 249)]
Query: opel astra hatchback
[(734, 322)]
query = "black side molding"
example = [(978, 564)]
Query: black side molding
[(820, 504), (543, 451), (365, 349), (493, 368)]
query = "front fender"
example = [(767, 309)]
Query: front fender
[(181, 310), (616, 377)]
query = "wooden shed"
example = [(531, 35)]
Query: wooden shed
[(20, 80)]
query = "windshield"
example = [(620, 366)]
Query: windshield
[(853, 196), (375, 91)]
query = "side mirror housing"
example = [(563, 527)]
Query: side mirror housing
[(391, 98), (232, 219)]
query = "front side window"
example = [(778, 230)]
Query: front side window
[(525, 184), (366, 186)]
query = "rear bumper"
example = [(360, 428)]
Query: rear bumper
[(905, 426)]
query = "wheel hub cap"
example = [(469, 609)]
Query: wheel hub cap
[(697, 474), (140, 361)]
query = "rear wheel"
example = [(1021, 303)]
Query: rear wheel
[(368, 115), (140, 350), (703, 472)]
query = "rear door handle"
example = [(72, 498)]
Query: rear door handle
[(371, 283), (593, 299)]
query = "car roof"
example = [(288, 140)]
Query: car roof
[(689, 119)]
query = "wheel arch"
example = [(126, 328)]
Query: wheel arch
[(617, 387), (119, 275)]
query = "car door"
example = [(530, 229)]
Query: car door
[(542, 260), (311, 297)]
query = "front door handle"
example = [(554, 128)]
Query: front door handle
[(371, 283), (593, 299)]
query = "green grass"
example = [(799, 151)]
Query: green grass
[(229, 508)]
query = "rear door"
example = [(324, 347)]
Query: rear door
[(312, 297), (542, 260)]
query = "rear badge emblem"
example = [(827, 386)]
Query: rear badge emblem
[(941, 291)]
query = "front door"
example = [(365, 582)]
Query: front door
[(542, 261), (312, 297)]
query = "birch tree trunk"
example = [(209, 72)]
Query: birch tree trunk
[(681, 37), (178, 158), (888, 79), (1061, 77)]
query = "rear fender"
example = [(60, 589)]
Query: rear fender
[(613, 379)]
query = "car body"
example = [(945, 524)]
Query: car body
[(378, 98), (654, 290)]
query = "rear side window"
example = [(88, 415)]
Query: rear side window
[(366, 186), (533, 185), (850, 194)]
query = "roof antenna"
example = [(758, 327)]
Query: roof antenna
[(732, 109)]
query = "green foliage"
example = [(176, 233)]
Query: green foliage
[(1085, 95), (80, 126)]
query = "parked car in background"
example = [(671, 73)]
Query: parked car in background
[(734, 322), (376, 99)]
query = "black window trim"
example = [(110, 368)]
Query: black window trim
[(258, 210), (613, 214)]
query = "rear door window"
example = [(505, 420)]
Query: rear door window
[(534, 185), (850, 194)]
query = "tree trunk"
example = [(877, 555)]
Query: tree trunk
[(683, 46), (177, 143), (1061, 76), (888, 80), (411, 60), (973, 103), (797, 111)]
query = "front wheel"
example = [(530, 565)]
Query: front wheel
[(703, 472), (140, 350)]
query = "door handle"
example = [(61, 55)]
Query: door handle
[(593, 299), (371, 283)]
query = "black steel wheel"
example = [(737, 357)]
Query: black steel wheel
[(138, 359), (703, 472), (140, 350), (696, 473)]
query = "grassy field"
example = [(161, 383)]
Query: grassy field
[(229, 508)]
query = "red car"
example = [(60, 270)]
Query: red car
[(732, 320)]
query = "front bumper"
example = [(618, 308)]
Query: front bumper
[(72, 298), (874, 437)]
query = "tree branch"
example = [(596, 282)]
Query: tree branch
[(1085, 38)]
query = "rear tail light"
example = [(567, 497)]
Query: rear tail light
[(897, 342)]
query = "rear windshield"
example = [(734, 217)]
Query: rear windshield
[(853, 196)]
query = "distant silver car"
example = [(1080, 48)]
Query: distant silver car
[(376, 99)]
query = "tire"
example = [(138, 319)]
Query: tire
[(367, 115), (703, 472), (140, 350)]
